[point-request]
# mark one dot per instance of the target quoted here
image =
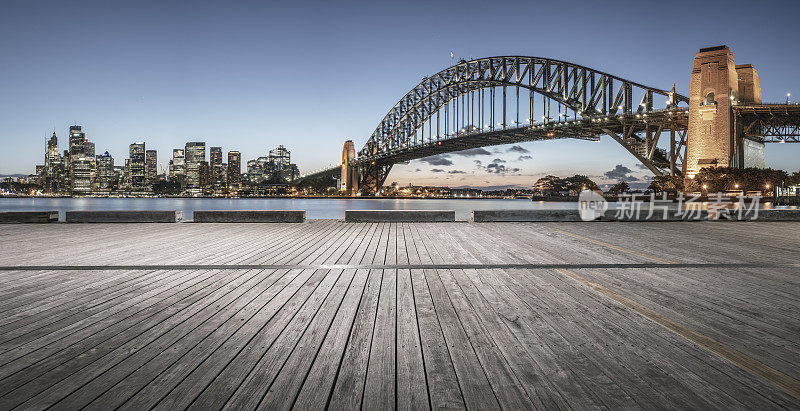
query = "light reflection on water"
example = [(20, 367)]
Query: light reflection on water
[(316, 208)]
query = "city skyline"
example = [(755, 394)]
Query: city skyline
[(227, 85)]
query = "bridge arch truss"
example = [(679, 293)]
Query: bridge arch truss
[(474, 100)]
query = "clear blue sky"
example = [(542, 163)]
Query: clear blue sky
[(251, 75)]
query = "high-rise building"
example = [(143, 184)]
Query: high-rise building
[(88, 148), (106, 176), (82, 163), (126, 173), (53, 166), (177, 167), (234, 168), (195, 153), (150, 167), (280, 157), (82, 169), (77, 147), (137, 167), (215, 164), (203, 174)]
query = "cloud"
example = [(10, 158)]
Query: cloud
[(498, 160), (457, 172), (437, 160), (620, 173), (520, 158), (478, 162), (472, 152), (437, 170), (641, 166), (418, 170), (518, 149), (500, 169)]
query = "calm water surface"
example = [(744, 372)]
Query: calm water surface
[(315, 207)]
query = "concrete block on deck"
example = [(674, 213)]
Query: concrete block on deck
[(397, 216), (778, 215), (28, 216), (126, 216), (249, 216), (480, 216)]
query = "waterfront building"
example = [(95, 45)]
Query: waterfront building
[(119, 177), (53, 166), (137, 167), (177, 167), (150, 167), (203, 174), (106, 175), (280, 157), (276, 168), (82, 173), (40, 175), (77, 146), (234, 168), (215, 163), (195, 154)]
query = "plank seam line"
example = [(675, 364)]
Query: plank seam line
[(783, 381), (452, 266)]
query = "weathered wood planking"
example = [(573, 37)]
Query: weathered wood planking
[(313, 337)]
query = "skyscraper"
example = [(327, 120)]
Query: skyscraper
[(137, 166), (177, 167), (53, 166), (106, 176), (150, 167), (195, 153), (77, 146), (234, 168), (203, 174), (280, 157), (82, 164), (215, 155)]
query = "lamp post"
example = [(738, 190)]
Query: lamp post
[(787, 98)]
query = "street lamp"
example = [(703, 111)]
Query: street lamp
[(787, 98)]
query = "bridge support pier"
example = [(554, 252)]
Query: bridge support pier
[(349, 177), (713, 138)]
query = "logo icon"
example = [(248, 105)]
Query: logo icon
[(591, 205)]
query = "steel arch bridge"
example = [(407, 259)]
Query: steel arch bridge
[(508, 99)]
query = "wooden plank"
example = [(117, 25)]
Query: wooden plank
[(348, 389), (59, 346), (379, 388), (167, 368), (327, 297), (52, 386), (286, 386), (215, 380), (318, 385)]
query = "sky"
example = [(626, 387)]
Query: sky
[(249, 76)]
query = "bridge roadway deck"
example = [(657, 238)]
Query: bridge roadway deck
[(482, 316)]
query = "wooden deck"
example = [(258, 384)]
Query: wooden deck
[(392, 315)]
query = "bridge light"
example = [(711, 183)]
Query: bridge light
[(736, 185), (619, 107), (767, 186), (705, 186)]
